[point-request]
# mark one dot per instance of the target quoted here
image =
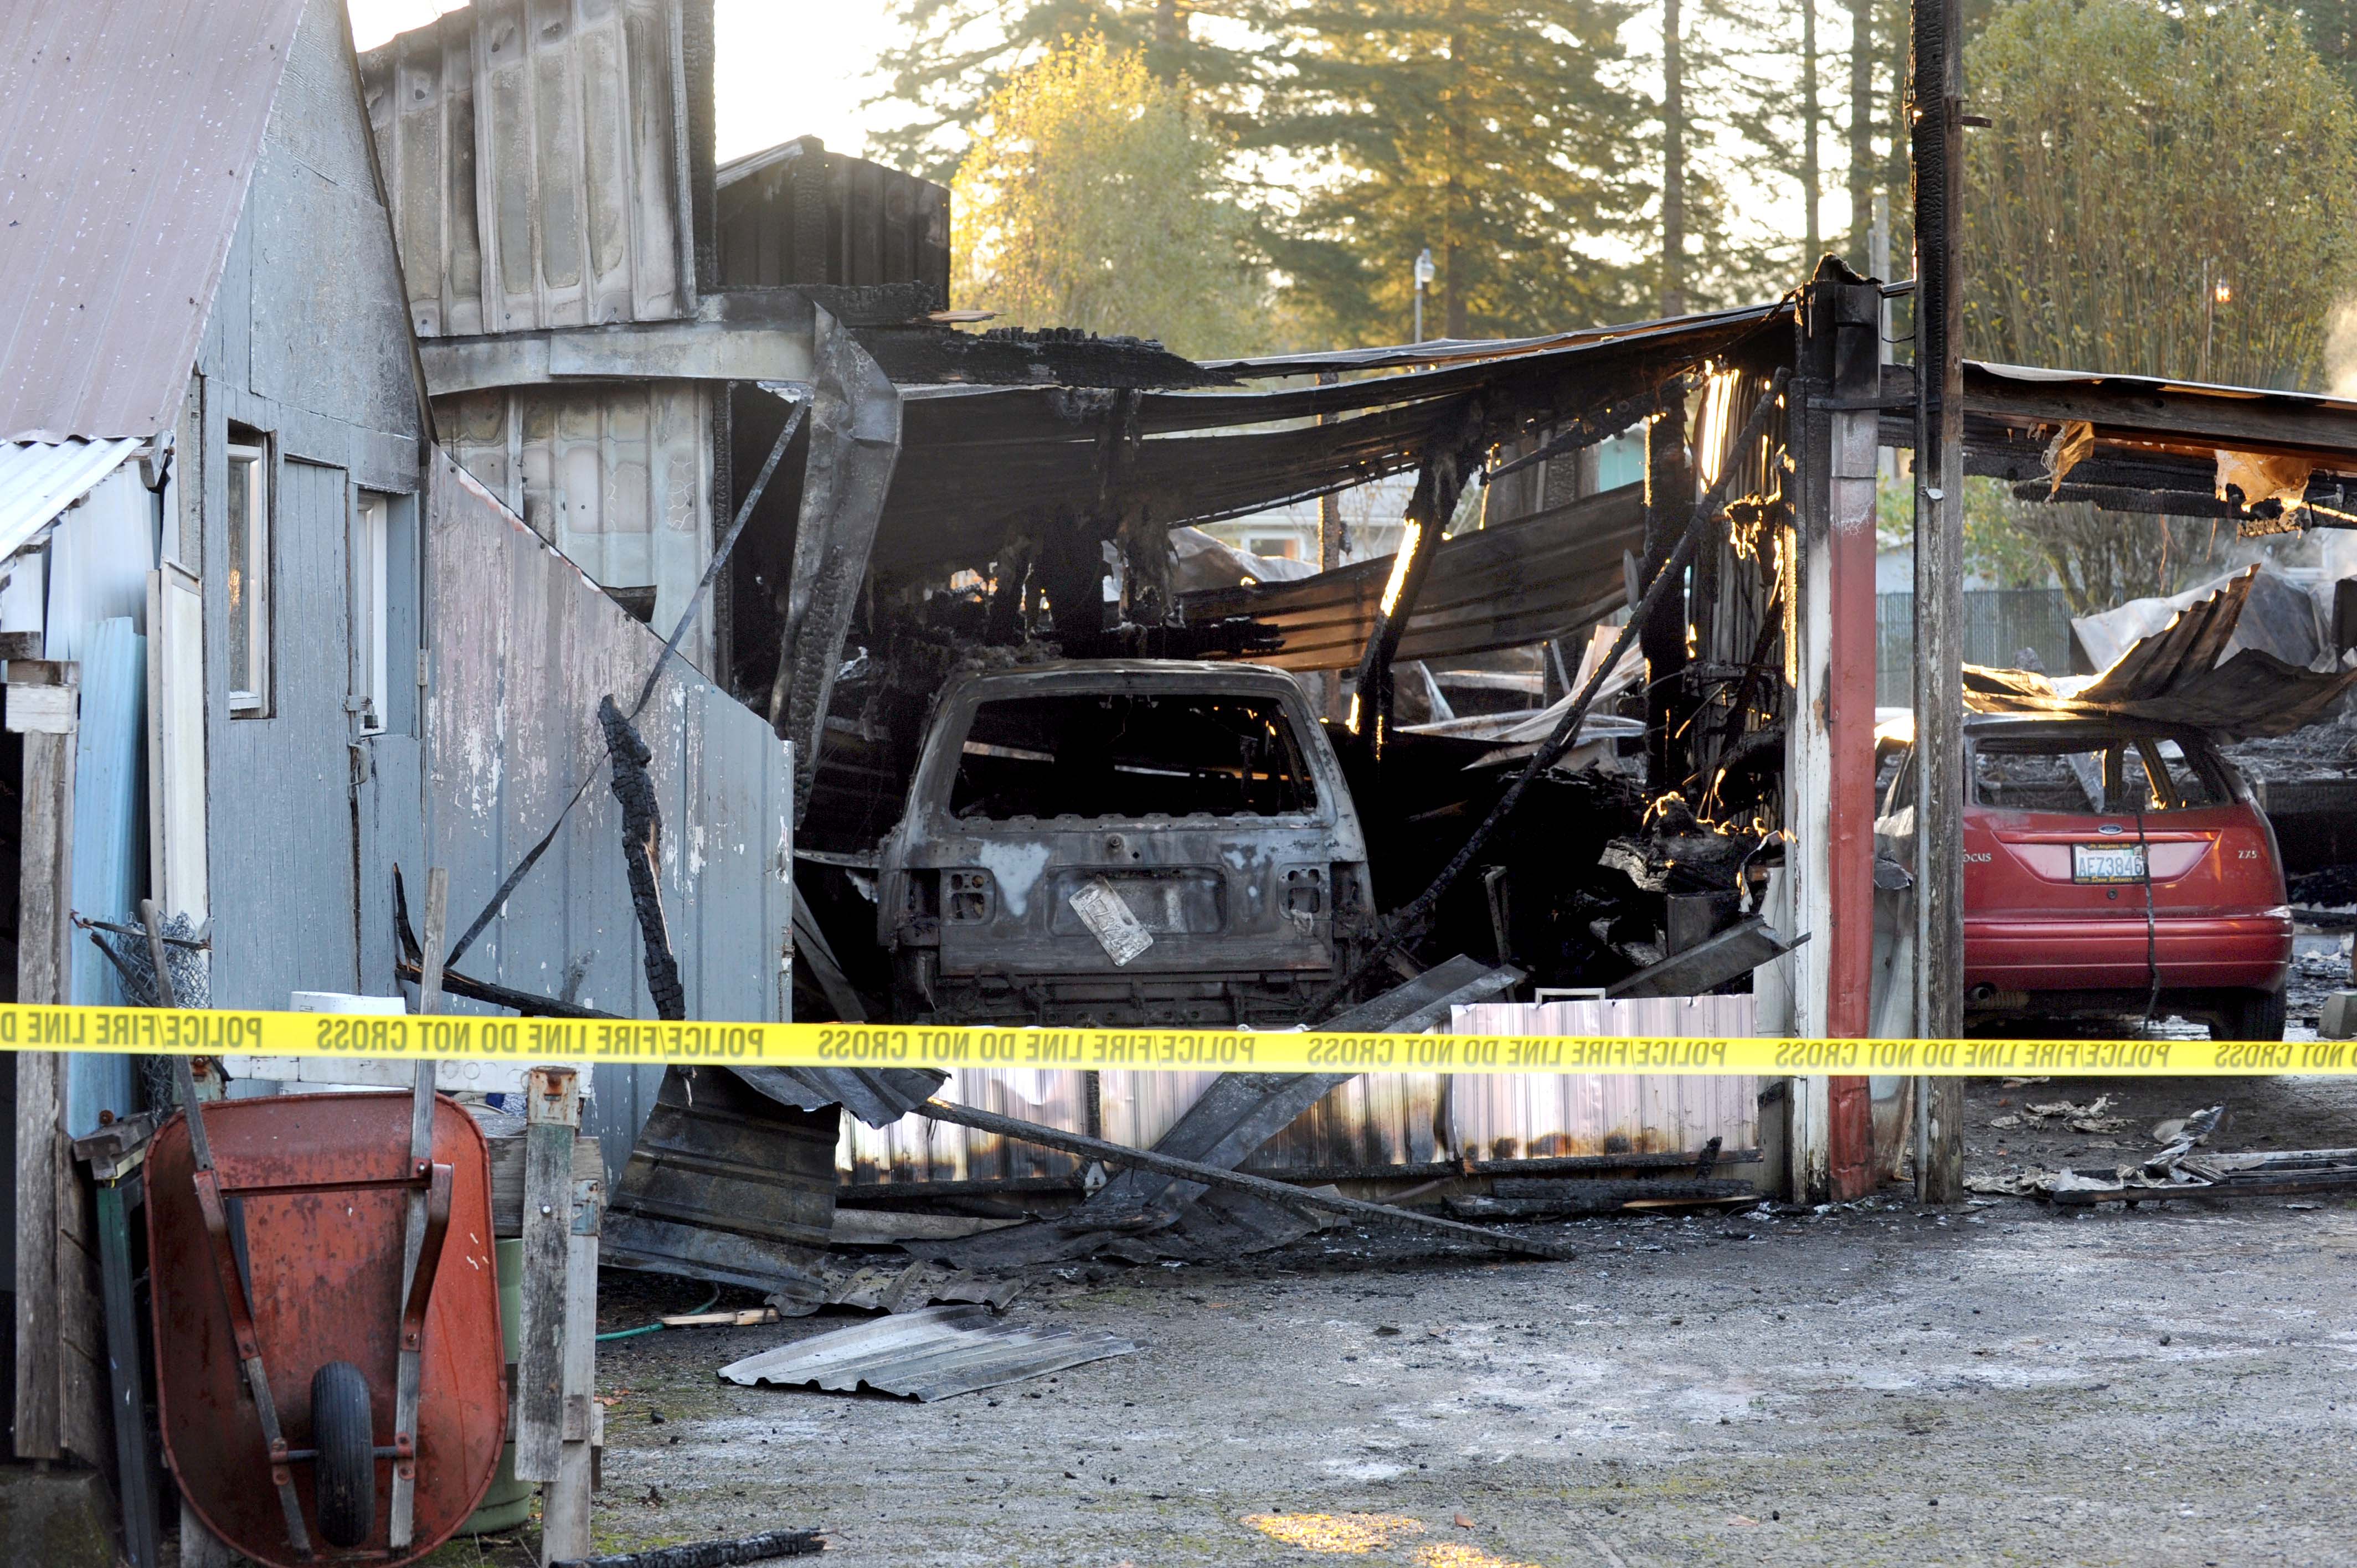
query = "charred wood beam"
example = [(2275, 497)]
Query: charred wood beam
[(855, 446), (1409, 920), (1277, 1192), (1370, 697), (1590, 429), (2169, 503), (642, 856), (761, 1548), (1669, 497), (410, 966), (524, 1004), (933, 356), (1437, 487), (1234, 637)]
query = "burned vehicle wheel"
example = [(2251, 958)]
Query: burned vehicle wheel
[(2251, 1016)]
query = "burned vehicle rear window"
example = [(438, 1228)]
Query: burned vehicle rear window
[(1116, 755), (2107, 774)]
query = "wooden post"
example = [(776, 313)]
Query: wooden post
[(555, 1426), (552, 1111), (1937, 94), (119, 1179), (43, 707), (409, 1376), (565, 1507)]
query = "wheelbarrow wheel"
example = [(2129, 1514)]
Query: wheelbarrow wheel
[(344, 1434)]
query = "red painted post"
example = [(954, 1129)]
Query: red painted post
[(1849, 861)]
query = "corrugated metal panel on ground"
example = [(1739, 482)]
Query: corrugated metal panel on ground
[(1506, 587), (1507, 1116), (524, 645), (129, 129), (616, 477), (39, 479), (930, 1354), (537, 161)]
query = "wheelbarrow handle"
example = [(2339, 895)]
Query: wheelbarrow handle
[(429, 1259), (410, 1366), (215, 1209)]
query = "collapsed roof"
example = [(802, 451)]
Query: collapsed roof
[(1182, 457), (2189, 673)]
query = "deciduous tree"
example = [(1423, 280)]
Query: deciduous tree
[(1096, 196)]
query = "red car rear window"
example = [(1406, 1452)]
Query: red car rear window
[(2074, 771)]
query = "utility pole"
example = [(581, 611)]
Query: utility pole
[(1938, 140), (1878, 267), (1862, 194), (1674, 165), (1423, 282), (1811, 177)]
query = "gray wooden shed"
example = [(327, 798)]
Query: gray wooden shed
[(263, 641)]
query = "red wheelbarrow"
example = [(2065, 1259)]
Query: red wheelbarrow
[(331, 1381)]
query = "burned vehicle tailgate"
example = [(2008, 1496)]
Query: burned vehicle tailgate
[(1122, 841)]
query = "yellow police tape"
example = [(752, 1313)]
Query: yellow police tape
[(187, 1032)]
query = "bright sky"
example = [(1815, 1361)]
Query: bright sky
[(798, 68), (788, 68)]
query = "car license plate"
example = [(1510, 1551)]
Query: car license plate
[(2107, 863)]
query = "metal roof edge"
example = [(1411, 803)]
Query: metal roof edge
[(40, 480)]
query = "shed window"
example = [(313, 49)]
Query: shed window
[(249, 582), (1122, 755), (370, 606)]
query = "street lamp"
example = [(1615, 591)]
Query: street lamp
[(1423, 282), (2219, 293)]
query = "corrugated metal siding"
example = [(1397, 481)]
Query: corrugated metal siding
[(109, 847), (38, 479), (1507, 1116), (1505, 586), (129, 130), (537, 160), (1375, 1120), (616, 477), (798, 214), (524, 645), (915, 1148)]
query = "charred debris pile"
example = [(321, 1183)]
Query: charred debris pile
[(1029, 528)]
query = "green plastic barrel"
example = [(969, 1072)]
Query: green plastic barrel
[(509, 1502)]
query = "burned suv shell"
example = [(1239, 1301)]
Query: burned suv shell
[(1245, 891)]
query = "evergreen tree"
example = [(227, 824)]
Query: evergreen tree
[(1491, 130)]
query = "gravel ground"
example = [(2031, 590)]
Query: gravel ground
[(1997, 1383)]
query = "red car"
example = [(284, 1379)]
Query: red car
[(2112, 866)]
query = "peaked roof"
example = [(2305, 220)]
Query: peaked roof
[(128, 134)]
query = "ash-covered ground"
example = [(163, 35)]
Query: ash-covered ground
[(1872, 1384)]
